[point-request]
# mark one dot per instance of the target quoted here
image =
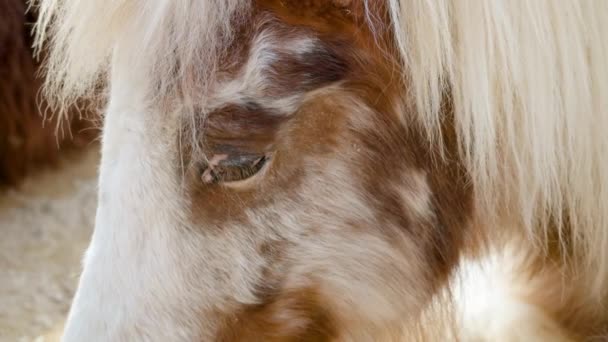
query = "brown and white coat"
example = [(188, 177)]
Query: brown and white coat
[(331, 170)]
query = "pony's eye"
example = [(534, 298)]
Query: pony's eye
[(227, 168)]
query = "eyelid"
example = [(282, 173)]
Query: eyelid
[(250, 181), (232, 168), (240, 160)]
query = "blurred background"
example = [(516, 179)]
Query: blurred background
[(47, 190)]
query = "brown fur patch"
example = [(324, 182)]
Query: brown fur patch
[(246, 128), (382, 148), (289, 317)]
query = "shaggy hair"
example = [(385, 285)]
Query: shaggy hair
[(528, 81), (27, 141)]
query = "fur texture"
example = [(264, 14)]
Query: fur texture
[(528, 82), (494, 130)]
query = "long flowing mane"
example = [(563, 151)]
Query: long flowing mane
[(528, 82)]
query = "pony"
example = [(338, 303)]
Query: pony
[(340, 170)]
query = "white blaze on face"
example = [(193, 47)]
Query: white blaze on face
[(149, 272), (131, 286)]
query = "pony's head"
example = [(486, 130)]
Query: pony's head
[(277, 170)]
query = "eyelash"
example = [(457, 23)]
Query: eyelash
[(233, 170)]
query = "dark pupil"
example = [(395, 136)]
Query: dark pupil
[(236, 167)]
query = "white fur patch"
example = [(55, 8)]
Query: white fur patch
[(416, 195), (490, 300), (254, 78)]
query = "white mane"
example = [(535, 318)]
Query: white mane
[(528, 81), (172, 37), (529, 84)]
